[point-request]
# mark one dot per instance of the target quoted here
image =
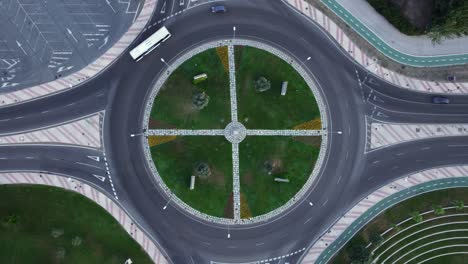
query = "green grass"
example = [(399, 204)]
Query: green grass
[(262, 192), (393, 15), (402, 211), (175, 160), (270, 110), (173, 104), (39, 209)]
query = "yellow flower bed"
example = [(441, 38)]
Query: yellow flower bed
[(223, 56), (157, 140), (245, 210), (312, 124)]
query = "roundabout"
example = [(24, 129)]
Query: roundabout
[(280, 163), (328, 167)]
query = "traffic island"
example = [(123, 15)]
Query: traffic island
[(235, 132)]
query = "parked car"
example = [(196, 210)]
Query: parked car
[(219, 9), (440, 100)]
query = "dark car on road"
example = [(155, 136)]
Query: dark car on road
[(440, 100), (219, 9)]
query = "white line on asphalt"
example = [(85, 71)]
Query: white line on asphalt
[(46, 111), (426, 148), (326, 201), (453, 146), (259, 244), (3, 158), (89, 165), (308, 220)]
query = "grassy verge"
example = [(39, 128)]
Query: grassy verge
[(175, 161), (30, 214), (402, 211), (173, 104), (292, 159), (269, 109)]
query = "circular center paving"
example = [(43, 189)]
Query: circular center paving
[(235, 132)]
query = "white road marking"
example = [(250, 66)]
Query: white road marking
[(89, 165), (96, 158), (101, 178)]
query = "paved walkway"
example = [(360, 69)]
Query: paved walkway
[(89, 71), (387, 134), (371, 63), (83, 132), (378, 201), (412, 45), (146, 242)]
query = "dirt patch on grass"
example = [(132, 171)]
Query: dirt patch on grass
[(158, 124), (248, 178), (229, 208), (216, 177), (311, 141)]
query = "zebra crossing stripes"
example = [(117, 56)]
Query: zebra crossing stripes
[(335, 238), (387, 134), (137, 233), (83, 132), (371, 63)]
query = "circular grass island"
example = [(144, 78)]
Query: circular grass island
[(234, 132)]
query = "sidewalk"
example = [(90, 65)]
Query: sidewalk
[(413, 45), (93, 69), (370, 63)]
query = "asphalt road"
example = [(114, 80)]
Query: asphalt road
[(348, 173)]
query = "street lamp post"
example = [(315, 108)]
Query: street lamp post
[(306, 60), (234, 32)]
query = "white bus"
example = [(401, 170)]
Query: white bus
[(150, 43)]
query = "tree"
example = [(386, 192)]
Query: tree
[(375, 238), (202, 170), (200, 100), (459, 205), (358, 254), (417, 217), (438, 210), (262, 84)]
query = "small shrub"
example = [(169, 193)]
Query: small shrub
[(76, 241), (57, 232), (417, 217), (459, 205), (262, 84), (438, 210)]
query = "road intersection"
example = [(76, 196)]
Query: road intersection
[(349, 173)]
